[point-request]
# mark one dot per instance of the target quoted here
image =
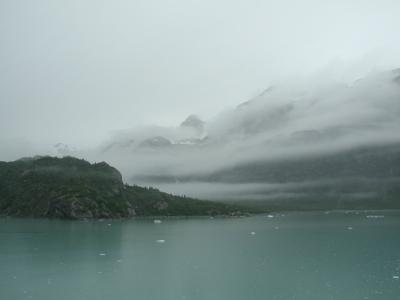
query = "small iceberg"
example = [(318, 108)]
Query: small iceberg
[(102, 254), (160, 241), (375, 216), (270, 216), (349, 228), (396, 277), (252, 233), (157, 221)]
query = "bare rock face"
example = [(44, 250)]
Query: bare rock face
[(131, 211), (161, 205), (70, 207)]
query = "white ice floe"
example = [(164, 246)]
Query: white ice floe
[(102, 254), (396, 277), (349, 228), (157, 221), (252, 233), (375, 216), (270, 216), (160, 241)]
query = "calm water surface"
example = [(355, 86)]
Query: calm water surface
[(293, 256)]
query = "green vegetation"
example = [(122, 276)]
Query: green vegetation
[(75, 189)]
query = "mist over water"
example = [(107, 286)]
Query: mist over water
[(182, 94), (288, 125), (285, 114)]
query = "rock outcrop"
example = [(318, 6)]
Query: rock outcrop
[(75, 189)]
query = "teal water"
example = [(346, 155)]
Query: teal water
[(293, 256)]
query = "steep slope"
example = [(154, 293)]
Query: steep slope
[(73, 188), (317, 138)]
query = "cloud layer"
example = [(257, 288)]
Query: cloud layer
[(305, 118)]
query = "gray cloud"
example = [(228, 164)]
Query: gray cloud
[(73, 71), (87, 78), (296, 121)]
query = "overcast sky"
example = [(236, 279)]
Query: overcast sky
[(72, 71)]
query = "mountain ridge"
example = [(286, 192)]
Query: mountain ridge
[(71, 188)]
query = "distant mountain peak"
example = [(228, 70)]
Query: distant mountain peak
[(193, 121)]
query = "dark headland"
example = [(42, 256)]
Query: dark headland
[(71, 188)]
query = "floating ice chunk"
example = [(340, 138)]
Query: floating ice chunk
[(252, 233), (270, 216), (108, 224), (375, 216), (157, 221), (396, 277), (160, 241), (349, 228), (102, 254), (119, 260)]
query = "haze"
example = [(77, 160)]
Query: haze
[(75, 71)]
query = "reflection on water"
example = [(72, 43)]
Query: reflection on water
[(287, 256)]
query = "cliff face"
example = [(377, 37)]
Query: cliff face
[(64, 188), (75, 189)]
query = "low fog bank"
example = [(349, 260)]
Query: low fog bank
[(318, 135), (268, 191), (340, 193), (284, 129)]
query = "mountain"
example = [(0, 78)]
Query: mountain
[(75, 189), (194, 122), (320, 138)]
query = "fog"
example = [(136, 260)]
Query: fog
[(74, 71), (299, 119), (263, 82)]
